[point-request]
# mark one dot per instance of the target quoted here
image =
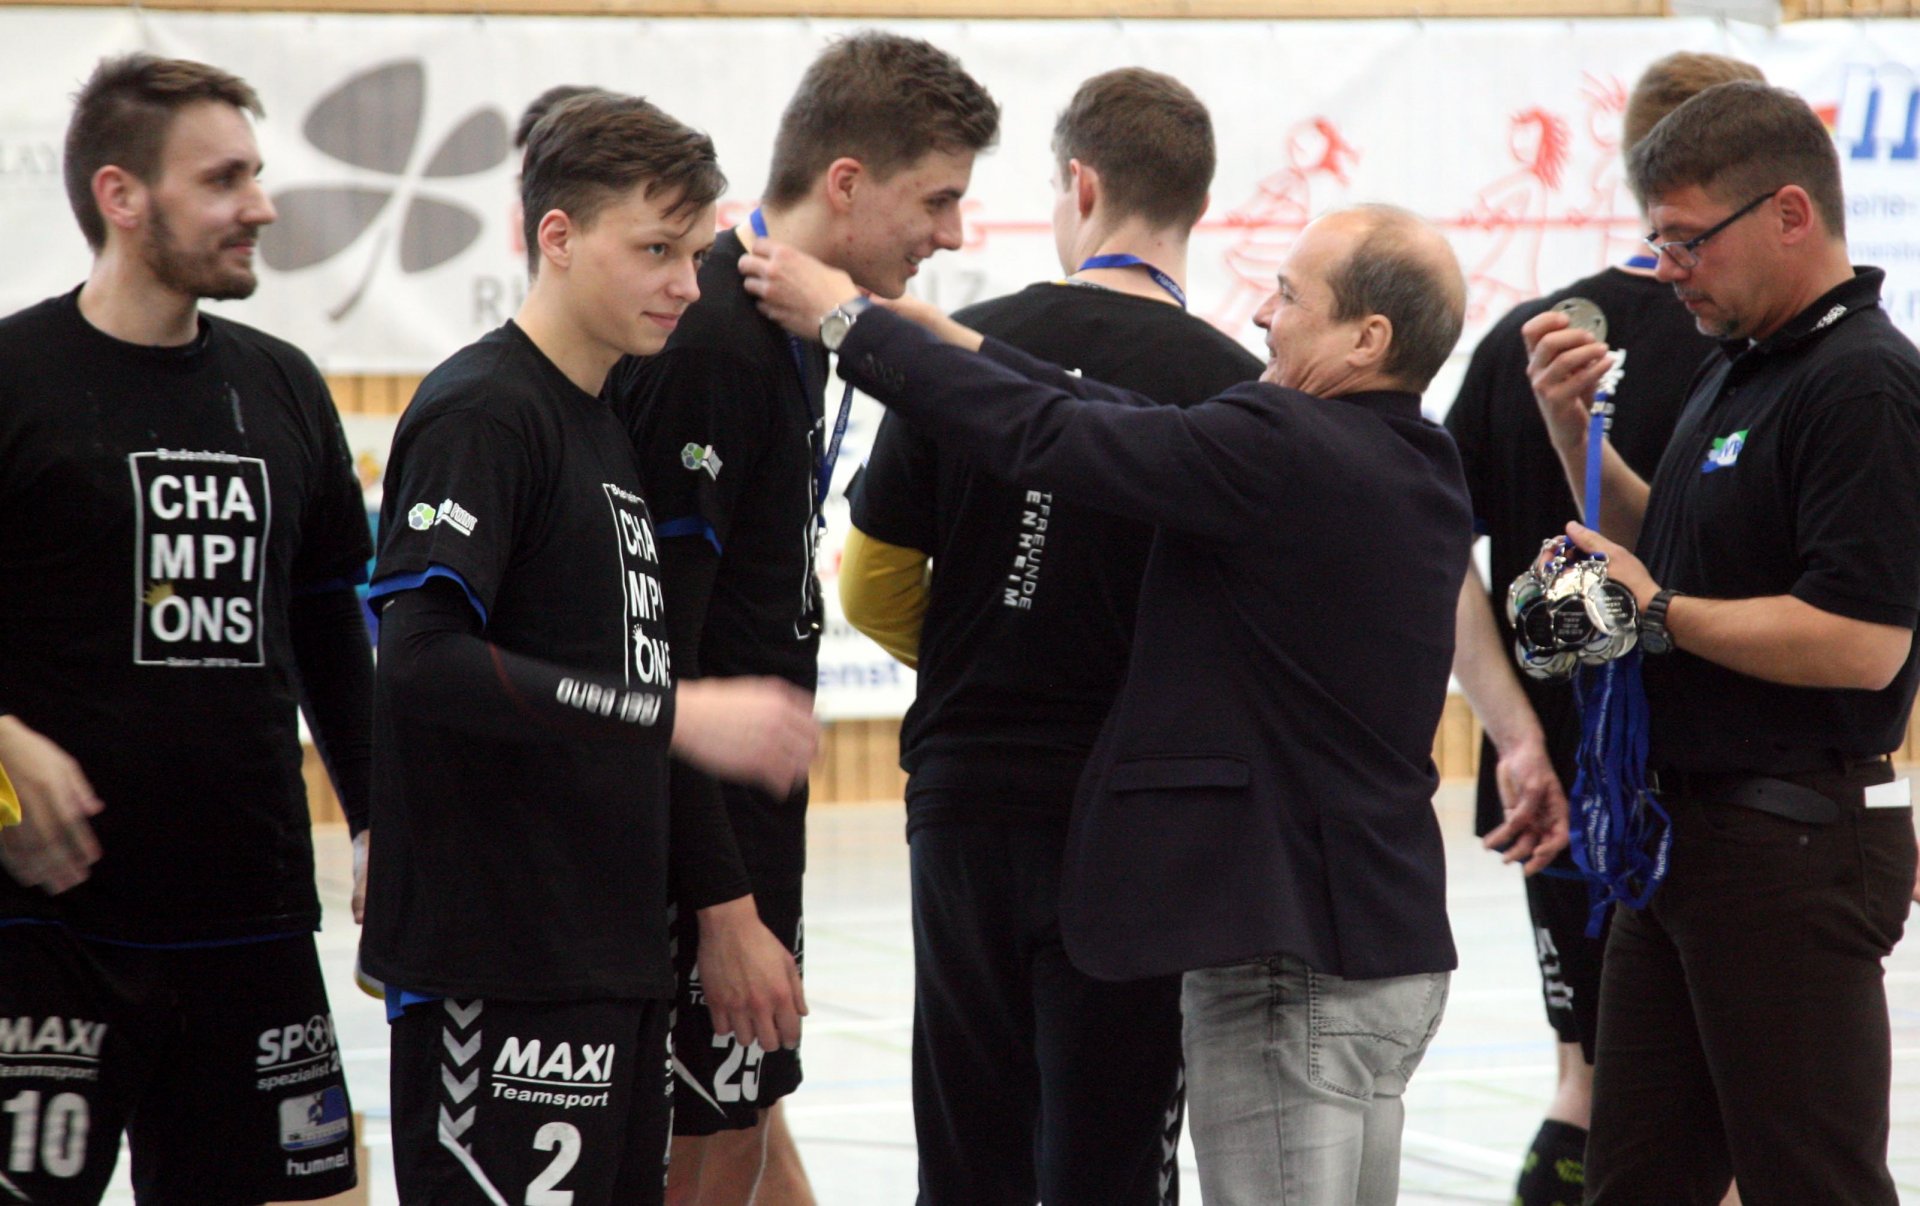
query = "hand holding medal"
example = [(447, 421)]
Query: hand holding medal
[(1564, 610)]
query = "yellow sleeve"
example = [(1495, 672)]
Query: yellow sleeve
[(9, 801), (883, 590)]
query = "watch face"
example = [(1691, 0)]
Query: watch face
[(833, 329)]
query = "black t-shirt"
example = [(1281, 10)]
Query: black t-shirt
[(1794, 471), (728, 438), (1032, 601), (1520, 492), (530, 869), (162, 506)]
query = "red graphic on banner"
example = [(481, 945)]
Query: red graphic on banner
[(1282, 204), (1514, 210), (1616, 226)]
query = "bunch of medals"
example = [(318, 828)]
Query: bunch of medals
[(1564, 610), (1566, 613)]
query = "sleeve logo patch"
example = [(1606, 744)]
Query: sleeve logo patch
[(697, 457), (422, 516)]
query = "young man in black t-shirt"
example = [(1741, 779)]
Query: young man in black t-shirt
[(182, 539), (874, 153), (1020, 635), (527, 703), (1521, 498)]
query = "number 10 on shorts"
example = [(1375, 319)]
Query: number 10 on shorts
[(61, 1140)]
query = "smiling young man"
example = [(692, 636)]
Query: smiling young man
[(1775, 555), (874, 153), (183, 532), (526, 704)]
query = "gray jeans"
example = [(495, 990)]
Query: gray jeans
[(1294, 1080)]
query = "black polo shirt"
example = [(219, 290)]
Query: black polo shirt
[(1795, 469)]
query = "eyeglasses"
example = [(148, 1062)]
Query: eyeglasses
[(1685, 253)]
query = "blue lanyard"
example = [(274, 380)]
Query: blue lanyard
[(1621, 836), (823, 468), (1133, 261)]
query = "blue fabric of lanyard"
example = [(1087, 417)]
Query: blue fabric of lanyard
[(1621, 837), (1119, 260), (823, 468)]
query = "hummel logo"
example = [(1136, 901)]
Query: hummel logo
[(373, 122)]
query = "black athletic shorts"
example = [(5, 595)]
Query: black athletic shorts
[(518, 1101), (218, 1062), (720, 1085), (1569, 960)]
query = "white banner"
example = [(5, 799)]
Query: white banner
[(386, 149)]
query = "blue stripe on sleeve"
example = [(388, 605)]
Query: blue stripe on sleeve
[(394, 584), (690, 525)]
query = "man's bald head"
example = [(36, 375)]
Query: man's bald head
[(1402, 269)]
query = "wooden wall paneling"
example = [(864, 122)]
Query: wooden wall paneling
[(823, 786), (322, 805), (885, 780), (346, 394), (1265, 10)]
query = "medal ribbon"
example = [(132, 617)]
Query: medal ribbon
[(1621, 837), (1121, 260), (823, 467)]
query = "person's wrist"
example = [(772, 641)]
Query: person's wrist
[(728, 914)]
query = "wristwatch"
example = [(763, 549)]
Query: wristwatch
[(1654, 637), (835, 324)]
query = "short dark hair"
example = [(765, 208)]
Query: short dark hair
[(883, 99), (121, 116), (1672, 81), (1150, 139), (589, 150), (543, 104), (1387, 274), (1736, 141)]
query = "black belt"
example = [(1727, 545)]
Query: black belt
[(1812, 797)]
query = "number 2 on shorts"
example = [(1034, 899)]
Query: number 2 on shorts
[(566, 1137)]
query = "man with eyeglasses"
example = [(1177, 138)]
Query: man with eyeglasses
[(1532, 727), (1775, 556)]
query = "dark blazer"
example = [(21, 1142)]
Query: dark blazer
[(1264, 784)]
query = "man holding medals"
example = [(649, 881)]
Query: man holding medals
[(1520, 496), (873, 155), (1775, 560), (1032, 1080)]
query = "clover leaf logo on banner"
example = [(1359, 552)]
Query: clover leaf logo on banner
[(373, 121)]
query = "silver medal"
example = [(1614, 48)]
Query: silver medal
[(1583, 315)]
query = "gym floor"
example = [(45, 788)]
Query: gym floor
[(1472, 1108)]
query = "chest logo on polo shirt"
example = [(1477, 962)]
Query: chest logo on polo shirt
[(1725, 451), (697, 457), (201, 522)]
